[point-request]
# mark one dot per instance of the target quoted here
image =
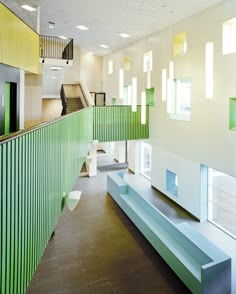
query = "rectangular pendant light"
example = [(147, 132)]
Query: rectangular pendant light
[(148, 74), (129, 95), (134, 94), (209, 70), (170, 95), (171, 70), (164, 80), (110, 67), (121, 83), (143, 108), (170, 88)]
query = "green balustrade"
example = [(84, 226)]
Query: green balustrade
[(119, 123), (36, 167)]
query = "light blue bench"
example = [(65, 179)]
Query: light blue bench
[(202, 266)]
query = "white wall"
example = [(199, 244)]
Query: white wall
[(33, 100), (134, 156), (86, 67), (177, 145), (91, 70), (72, 74), (51, 83)]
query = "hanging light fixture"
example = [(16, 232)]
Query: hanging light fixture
[(164, 80), (143, 108), (121, 83), (209, 69), (170, 88), (134, 94)]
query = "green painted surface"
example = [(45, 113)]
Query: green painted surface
[(150, 97), (232, 114), (119, 123), (36, 169), (7, 108)]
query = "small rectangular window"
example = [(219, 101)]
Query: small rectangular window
[(229, 36), (172, 183), (180, 44), (183, 96), (232, 114), (179, 99), (127, 63)]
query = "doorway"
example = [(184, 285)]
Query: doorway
[(10, 113)]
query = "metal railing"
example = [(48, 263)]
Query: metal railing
[(55, 47)]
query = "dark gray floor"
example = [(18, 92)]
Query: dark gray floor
[(97, 249)]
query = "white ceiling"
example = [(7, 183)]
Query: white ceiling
[(107, 18)]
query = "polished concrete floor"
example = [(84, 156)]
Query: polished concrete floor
[(97, 249)]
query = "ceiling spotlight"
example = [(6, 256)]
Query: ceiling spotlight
[(124, 35), (55, 68), (63, 37), (29, 8), (51, 25), (104, 46), (82, 28)]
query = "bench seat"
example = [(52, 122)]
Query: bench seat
[(202, 266)]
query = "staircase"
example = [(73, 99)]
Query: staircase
[(75, 97), (73, 104)]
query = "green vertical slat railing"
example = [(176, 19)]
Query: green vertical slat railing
[(35, 169), (119, 123)]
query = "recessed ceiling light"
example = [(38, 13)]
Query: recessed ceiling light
[(63, 37), (55, 68), (124, 35), (29, 8), (51, 25), (91, 53), (104, 46), (54, 77), (82, 28)]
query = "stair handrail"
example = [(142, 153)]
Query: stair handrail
[(63, 100)]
